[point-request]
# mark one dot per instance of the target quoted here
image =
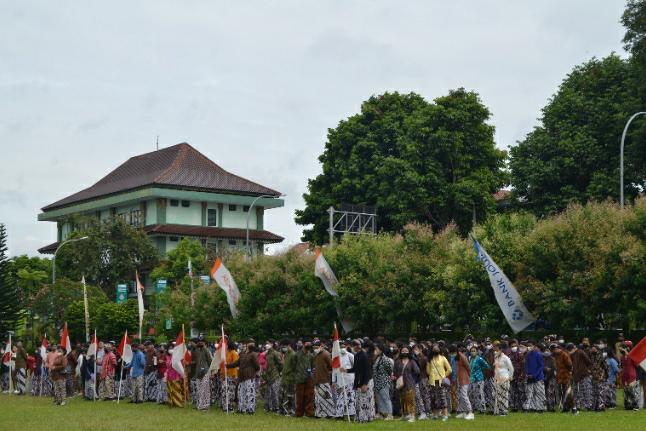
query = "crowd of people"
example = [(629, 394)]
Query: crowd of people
[(367, 380)]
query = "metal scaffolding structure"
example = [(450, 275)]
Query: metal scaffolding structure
[(352, 219)]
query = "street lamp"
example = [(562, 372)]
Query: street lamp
[(247, 245), (621, 158), (58, 248)]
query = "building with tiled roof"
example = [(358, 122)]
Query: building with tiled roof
[(173, 193)]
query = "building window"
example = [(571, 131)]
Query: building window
[(186, 204), (233, 207), (174, 203), (211, 217), (245, 208), (173, 239), (135, 218), (232, 242)]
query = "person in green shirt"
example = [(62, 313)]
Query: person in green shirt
[(288, 380), (271, 376), (304, 382)]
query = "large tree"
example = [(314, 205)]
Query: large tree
[(10, 307), (112, 253), (573, 156), (413, 160)]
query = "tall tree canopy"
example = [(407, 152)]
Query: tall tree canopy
[(634, 19), (573, 156), (413, 160), (111, 254), (10, 307)]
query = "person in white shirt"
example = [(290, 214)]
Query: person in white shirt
[(504, 371), (339, 379)]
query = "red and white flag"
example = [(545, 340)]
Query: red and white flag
[(125, 349), (638, 353), (65, 340), (93, 347), (140, 302), (43, 348), (179, 354), (336, 350), (223, 278), (220, 356)]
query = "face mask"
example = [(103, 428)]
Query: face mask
[(514, 349), (405, 355), (267, 346), (343, 352), (488, 346), (605, 354), (602, 346), (547, 354), (170, 351), (530, 348), (317, 351), (522, 349), (561, 341), (284, 349)]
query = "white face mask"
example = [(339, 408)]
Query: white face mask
[(343, 352), (317, 350), (514, 349), (561, 341), (268, 346), (605, 354)]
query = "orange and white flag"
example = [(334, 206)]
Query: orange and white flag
[(179, 353), (125, 349), (223, 278), (323, 271), (140, 302), (65, 340)]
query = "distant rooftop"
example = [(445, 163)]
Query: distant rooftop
[(180, 166)]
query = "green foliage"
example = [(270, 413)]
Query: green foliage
[(175, 267), (441, 153), (585, 268), (50, 302), (113, 319), (10, 306), (112, 253), (30, 274), (634, 19), (573, 156)]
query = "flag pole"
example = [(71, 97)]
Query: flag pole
[(42, 368), (10, 367), (226, 383), (345, 396), (120, 381), (86, 311), (185, 377), (96, 355)]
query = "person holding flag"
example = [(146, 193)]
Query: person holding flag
[(248, 368), (88, 374), (173, 382), (228, 376), (7, 367)]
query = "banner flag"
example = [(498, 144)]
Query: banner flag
[(223, 278), (508, 298)]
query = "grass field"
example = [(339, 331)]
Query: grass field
[(32, 413)]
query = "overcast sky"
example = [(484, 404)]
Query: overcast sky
[(255, 85)]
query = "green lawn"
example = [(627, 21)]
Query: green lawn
[(33, 413)]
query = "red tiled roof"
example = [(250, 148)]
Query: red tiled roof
[(212, 232), (179, 166)]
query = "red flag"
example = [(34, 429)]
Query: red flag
[(638, 353), (6, 357), (65, 340), (125, 349)]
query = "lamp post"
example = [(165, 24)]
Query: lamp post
[(57, 249), (247, 245), (621, 158)]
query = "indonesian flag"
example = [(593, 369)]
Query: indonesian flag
[(125, 349), (220, 356), (179, 354), (93, 347), (65, 340), (43, 348), (336, 350), (6, 357), (323, 271), (140, 302), (223, 278), (638, 353)]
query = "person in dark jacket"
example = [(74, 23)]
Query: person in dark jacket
[(581, 378), (201, 358), (550, 378), (362, 381), (304, 363), (535, 371), (599, 374), (407, 374), (248, 369), (88, 376)]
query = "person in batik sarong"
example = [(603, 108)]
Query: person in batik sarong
[(518, 384), (477, 380), (201, 358), (150, 373), (288, 380), (174, 383), (162, 394), (229, 378), (535, 372), (271, 376), (423, 397), (324, 402), (613, 371), (108, 368), (461, 377), (439, 370), (581, 377), (629, 378), (88, 376), (599, 373), (363, 384), (551, 389), (248, 368), (504, 371)]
